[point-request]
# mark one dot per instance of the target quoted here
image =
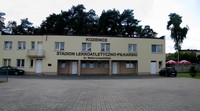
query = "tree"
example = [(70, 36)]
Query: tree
[(147, 32), (128, 25), (25, 27), (2, 20), (178, 34), (109, 23)]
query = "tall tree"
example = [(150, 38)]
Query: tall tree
[(178, 34), (128, 25), (25, 27), (109, 22)]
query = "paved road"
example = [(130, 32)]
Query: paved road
[(100, 93)]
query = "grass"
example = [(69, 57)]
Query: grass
[(187, 75), (1, 81)]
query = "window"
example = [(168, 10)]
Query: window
[(8, 45), (105, 47), (63, 64), (59, 45), (91, 64), (130, 64), (132, 48), (86, 47), (31, 63), (83, 64), (157, 49), (99, 64), (6, 62), (32, 45), (21, 45), (20, 62)]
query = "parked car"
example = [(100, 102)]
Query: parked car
[(168, 71), (11, 70)]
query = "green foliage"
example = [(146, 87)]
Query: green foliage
[(178, 34), (193, 71), (189, 56), (78, 21)]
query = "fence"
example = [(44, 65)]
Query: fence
[(185, 67)]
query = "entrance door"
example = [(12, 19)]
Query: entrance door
[(74, 67), (38, 66), (114, 68), (153, 67), (40, 49)]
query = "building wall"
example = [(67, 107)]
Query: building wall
[(73, 44)]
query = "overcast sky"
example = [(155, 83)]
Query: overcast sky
[(150, 12)]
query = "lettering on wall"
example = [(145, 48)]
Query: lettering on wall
[(96, 55), (96, 39)]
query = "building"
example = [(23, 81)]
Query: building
[(53, 54)]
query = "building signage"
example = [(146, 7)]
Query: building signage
[(96, 39), (95, 54)]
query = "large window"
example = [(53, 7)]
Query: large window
[(86, 47), (105, 47), (132, 48), (21, 45), (8, 45), (130, 64), (6, 62), (59, 45), (157, 49), (20, 62)]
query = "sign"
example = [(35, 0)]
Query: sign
[(96, 54), (96, 39)]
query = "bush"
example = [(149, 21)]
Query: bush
[(193, 71)]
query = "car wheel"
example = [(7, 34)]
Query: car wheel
[(16, 73)]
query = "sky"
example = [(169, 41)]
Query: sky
[(149, 12)]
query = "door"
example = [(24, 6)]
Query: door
[(38, 66), (74, 67), (114, 68), (40, 48), (153, 67)]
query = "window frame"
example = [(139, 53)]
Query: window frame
[(133, 49), (21, 45), (6, 62), (59, 46), (20, 62), (7, 45), (86, 47), (157, 48), (105, 47)]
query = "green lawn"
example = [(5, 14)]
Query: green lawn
[(1, 81), (187, 75)]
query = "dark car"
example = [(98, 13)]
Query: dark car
[(11, 70), (168, 71)]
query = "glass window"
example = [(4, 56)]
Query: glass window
[(63, 64), (130, 64), (21, 45), (91, 64), (105, 47), (6, 62), (59, 45), (86, 47), (32, 45), (8, 45), (132, 48), (83, 64), (157, 49), (20, 62)]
